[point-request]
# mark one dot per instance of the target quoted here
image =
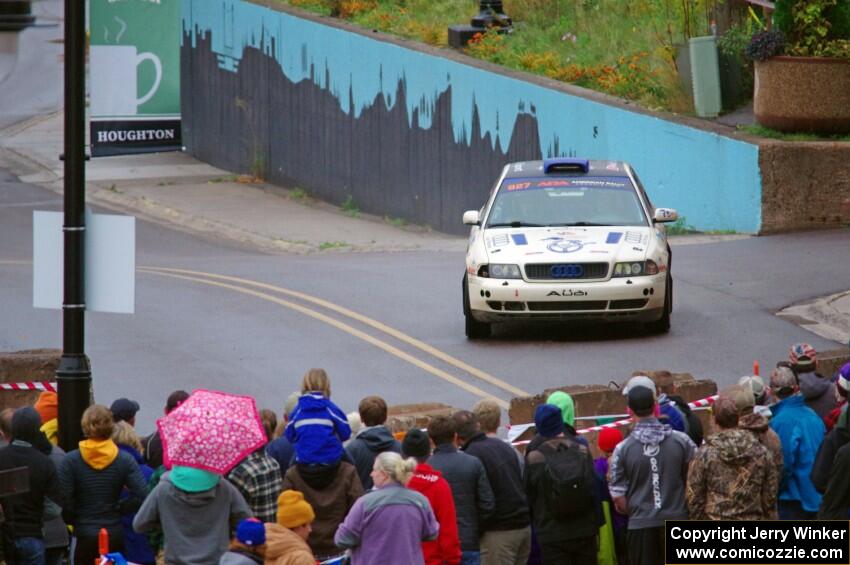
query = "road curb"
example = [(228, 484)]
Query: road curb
[(826, 316)]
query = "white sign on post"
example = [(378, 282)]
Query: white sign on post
[(110, 277)]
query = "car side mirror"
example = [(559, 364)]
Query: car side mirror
[(470, 218), (665, 215)]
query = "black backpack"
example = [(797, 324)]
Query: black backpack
[(568, 484)]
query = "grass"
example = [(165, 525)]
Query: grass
[(227, 178), (298, 194), (332, 245), (680, 227), (762, 131), (622, 48), (397, 222), (349, 207)]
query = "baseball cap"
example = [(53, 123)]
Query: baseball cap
[(641, 399), (742, 395), (251, 531), (639, 381), (124, 409), (803, 356), (755, 383), (782, 377)]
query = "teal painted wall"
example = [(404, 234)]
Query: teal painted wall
[(710, 179)]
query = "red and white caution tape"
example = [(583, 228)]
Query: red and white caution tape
[(516, 430), (38, 385)]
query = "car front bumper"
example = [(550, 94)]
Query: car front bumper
[(618, 299)]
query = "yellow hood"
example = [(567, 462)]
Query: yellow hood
[(51, 430), (98, 453)]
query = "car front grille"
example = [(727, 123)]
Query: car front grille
[(567, 305), (543, 271), (628, 304)]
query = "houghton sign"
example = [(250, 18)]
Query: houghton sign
[(135, 76)]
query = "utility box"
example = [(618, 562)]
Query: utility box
[(705, 74), (460, 35)]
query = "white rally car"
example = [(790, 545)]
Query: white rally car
[(567, 239)]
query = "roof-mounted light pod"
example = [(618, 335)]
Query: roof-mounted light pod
[(566, 165)]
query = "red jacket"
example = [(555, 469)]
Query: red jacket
[(445, 550)]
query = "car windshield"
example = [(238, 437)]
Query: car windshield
[(566, 201)]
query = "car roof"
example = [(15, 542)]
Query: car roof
[(532, 169)]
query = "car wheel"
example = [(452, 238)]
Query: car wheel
[(474, 329), (662, 325)]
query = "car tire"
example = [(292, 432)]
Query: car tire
[(662, 326), (473, 328)]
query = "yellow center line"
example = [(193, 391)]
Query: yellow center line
[(401, 336), (341, 326)]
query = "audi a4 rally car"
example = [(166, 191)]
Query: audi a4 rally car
[(566, 239)]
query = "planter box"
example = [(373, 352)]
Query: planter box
[(803, 94)]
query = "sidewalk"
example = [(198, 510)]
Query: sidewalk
[(176, 190)]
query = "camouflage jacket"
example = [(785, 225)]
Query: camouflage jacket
[(732, 477), (760, 426)]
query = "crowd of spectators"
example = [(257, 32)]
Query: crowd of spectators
[(328, 487)]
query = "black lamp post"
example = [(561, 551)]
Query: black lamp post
[(490, 14), (74, 371)]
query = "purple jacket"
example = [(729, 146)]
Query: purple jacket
[(388, 525)]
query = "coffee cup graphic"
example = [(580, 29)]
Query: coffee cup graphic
[(115, 78)]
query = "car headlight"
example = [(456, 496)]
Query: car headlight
[(635, 269), (500, 271)]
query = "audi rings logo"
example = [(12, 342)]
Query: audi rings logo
[(572, 271)]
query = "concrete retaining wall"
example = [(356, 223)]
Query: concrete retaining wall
[(420, 133), (26, 366), (805, 185)]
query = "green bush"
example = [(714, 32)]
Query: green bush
[(814, 27)]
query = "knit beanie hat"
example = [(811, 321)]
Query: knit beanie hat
[(842, 377), (47, 406), (292, 510), (190, 479), (251, 531), (416, 444), (548, 420), (565, 402), (608, 439)]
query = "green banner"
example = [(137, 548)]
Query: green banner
[(134, 60)]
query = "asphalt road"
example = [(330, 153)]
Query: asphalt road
[(258, 331), (31, 78)]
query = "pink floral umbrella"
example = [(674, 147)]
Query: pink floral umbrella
[(211, 430)]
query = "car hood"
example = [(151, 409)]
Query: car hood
[(573, 244)]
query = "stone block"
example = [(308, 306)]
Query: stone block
[(600, 400), (26, 366), (831, 360), (405, 416)]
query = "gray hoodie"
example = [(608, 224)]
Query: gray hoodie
[(819, 393), (649, 468), (197, 524)]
